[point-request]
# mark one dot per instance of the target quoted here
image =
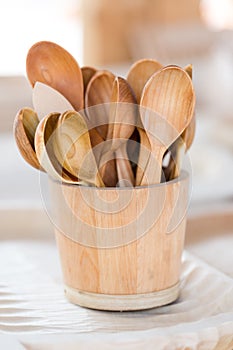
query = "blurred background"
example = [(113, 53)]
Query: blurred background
[(113, 35)]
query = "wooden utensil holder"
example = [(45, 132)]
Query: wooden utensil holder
[(120, 248)]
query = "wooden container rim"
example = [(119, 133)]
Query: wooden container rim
[(184, 175)]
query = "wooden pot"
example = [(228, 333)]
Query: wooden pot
[(120, 248)]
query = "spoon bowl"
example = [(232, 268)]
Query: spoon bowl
[(99, 91), (50, 64), (87, 73), (46, 100), (74, 149), (139, 73), (45, 144), (25, 124)]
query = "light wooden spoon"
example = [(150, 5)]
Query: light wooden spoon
[(99, 92), (122, 121), (74, 149), (137, 77), (25, 124), (49, 63), (45, 143), (167, 106), (45, 100), (181, 145), (178, 149), (97, 102), (87, 73), (140, 72)]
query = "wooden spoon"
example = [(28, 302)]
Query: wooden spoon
[(122, 121), (139, 73), (178, 149), (144, 154), (97, 102), (25, 124), (74, 149), (167, 106), (45, 100), (137, 77), (181, 145), (87, 73), (50, 64), (45, 144), (189, 69), (99, 92)]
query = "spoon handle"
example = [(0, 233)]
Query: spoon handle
[(153, 169), (144, 155), (124, 169), (178, 149), (108, 173), (177, 153)]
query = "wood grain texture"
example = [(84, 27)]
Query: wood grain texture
[(118, 244)]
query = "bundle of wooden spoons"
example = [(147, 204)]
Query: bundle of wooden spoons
[(94, 128)]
